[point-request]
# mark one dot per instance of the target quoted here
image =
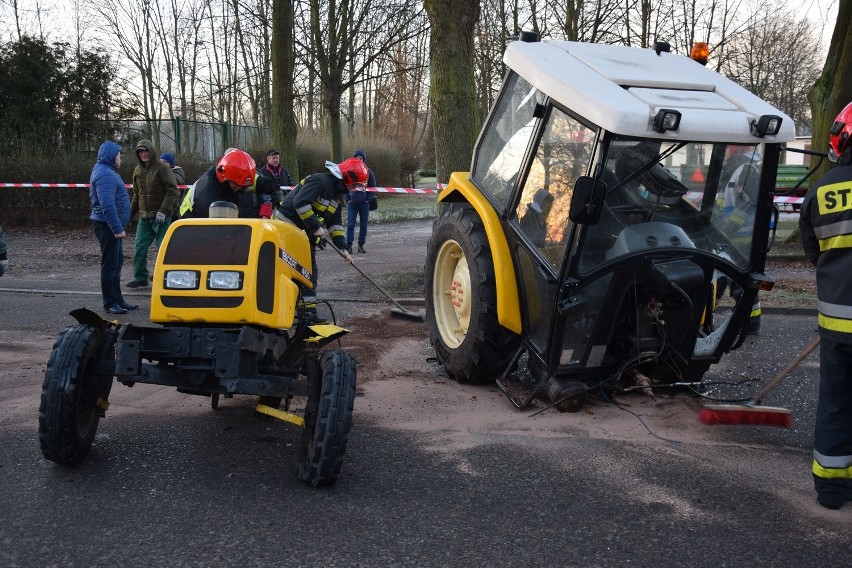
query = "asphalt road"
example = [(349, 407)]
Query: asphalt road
[(170, 482)]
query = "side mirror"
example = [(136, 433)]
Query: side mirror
[(587, 201)]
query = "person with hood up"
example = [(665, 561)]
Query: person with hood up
[(110, 215), (314, 202), (155, 194)]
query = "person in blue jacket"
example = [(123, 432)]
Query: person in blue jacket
[(359, 202), (110, 215)]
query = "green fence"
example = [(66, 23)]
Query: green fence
[(203, 139)]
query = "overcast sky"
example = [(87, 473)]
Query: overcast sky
[(56, 14)]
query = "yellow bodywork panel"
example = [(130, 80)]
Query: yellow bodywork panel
[(230, 271), (508, 304), (281, 414), (325, 333)]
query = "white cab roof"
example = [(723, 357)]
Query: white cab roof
[(621, 89)]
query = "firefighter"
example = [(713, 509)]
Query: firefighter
[(316, 200), (826, 228), (233, 175)]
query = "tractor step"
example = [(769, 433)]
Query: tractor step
[(521, 394)]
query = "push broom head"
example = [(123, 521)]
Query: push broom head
[(746, 415)]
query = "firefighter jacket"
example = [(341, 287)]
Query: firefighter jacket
[(826, 227), (313, 198), (208, 189), (154, 186)]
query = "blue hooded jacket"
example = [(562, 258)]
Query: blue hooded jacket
[(110, 200)]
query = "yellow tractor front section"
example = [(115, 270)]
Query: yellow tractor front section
[(230, 271)]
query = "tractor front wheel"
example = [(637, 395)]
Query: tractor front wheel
[(328, 419), (69, 414)]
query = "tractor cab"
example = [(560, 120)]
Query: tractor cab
[(613, 192)]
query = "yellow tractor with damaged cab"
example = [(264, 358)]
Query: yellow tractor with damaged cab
[(609, 191)]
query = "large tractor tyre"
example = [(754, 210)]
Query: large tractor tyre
[(68, 415), (461, 299), (327, 428)]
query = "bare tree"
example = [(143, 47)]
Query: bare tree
[(340, 31), (283, 65), (131, 25), (760, 59)]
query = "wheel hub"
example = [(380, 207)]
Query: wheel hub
[(452, 294)]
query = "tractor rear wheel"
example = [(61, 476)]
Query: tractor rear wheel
[(68, 415), (327, 429), (461, 299)]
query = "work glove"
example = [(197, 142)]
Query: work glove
[(3, 265), (265, 211), (319, 238), (160, 218)]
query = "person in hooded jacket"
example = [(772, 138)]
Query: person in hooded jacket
[(155, 194), (316, 201), (110, 215)]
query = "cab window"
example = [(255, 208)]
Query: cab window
[(504, 142), (562, 155)]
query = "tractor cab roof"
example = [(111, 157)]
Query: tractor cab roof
[(622, 88)]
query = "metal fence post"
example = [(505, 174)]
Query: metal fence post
[(177, 134)]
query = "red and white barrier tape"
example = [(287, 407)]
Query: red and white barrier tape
[(408, 190)]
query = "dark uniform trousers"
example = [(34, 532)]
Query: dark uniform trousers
[(832, 466)]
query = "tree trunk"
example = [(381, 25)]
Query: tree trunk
[(452, 85), (833, 90), (331, 98), (283, 65)]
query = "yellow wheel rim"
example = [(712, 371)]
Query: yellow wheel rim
[(451, 294)]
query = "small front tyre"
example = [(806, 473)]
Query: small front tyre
[(328, 419), (69, 414)]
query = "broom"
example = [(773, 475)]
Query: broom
[(399, 311), (751, 413)]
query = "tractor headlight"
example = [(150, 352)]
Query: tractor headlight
[(224, 280), (182, 279)]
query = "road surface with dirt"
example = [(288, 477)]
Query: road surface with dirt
[(436, 473)]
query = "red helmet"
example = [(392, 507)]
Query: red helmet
[(841, 132), (353, 171), (236, 166)]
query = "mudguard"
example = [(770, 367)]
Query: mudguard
[(460, 188)]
